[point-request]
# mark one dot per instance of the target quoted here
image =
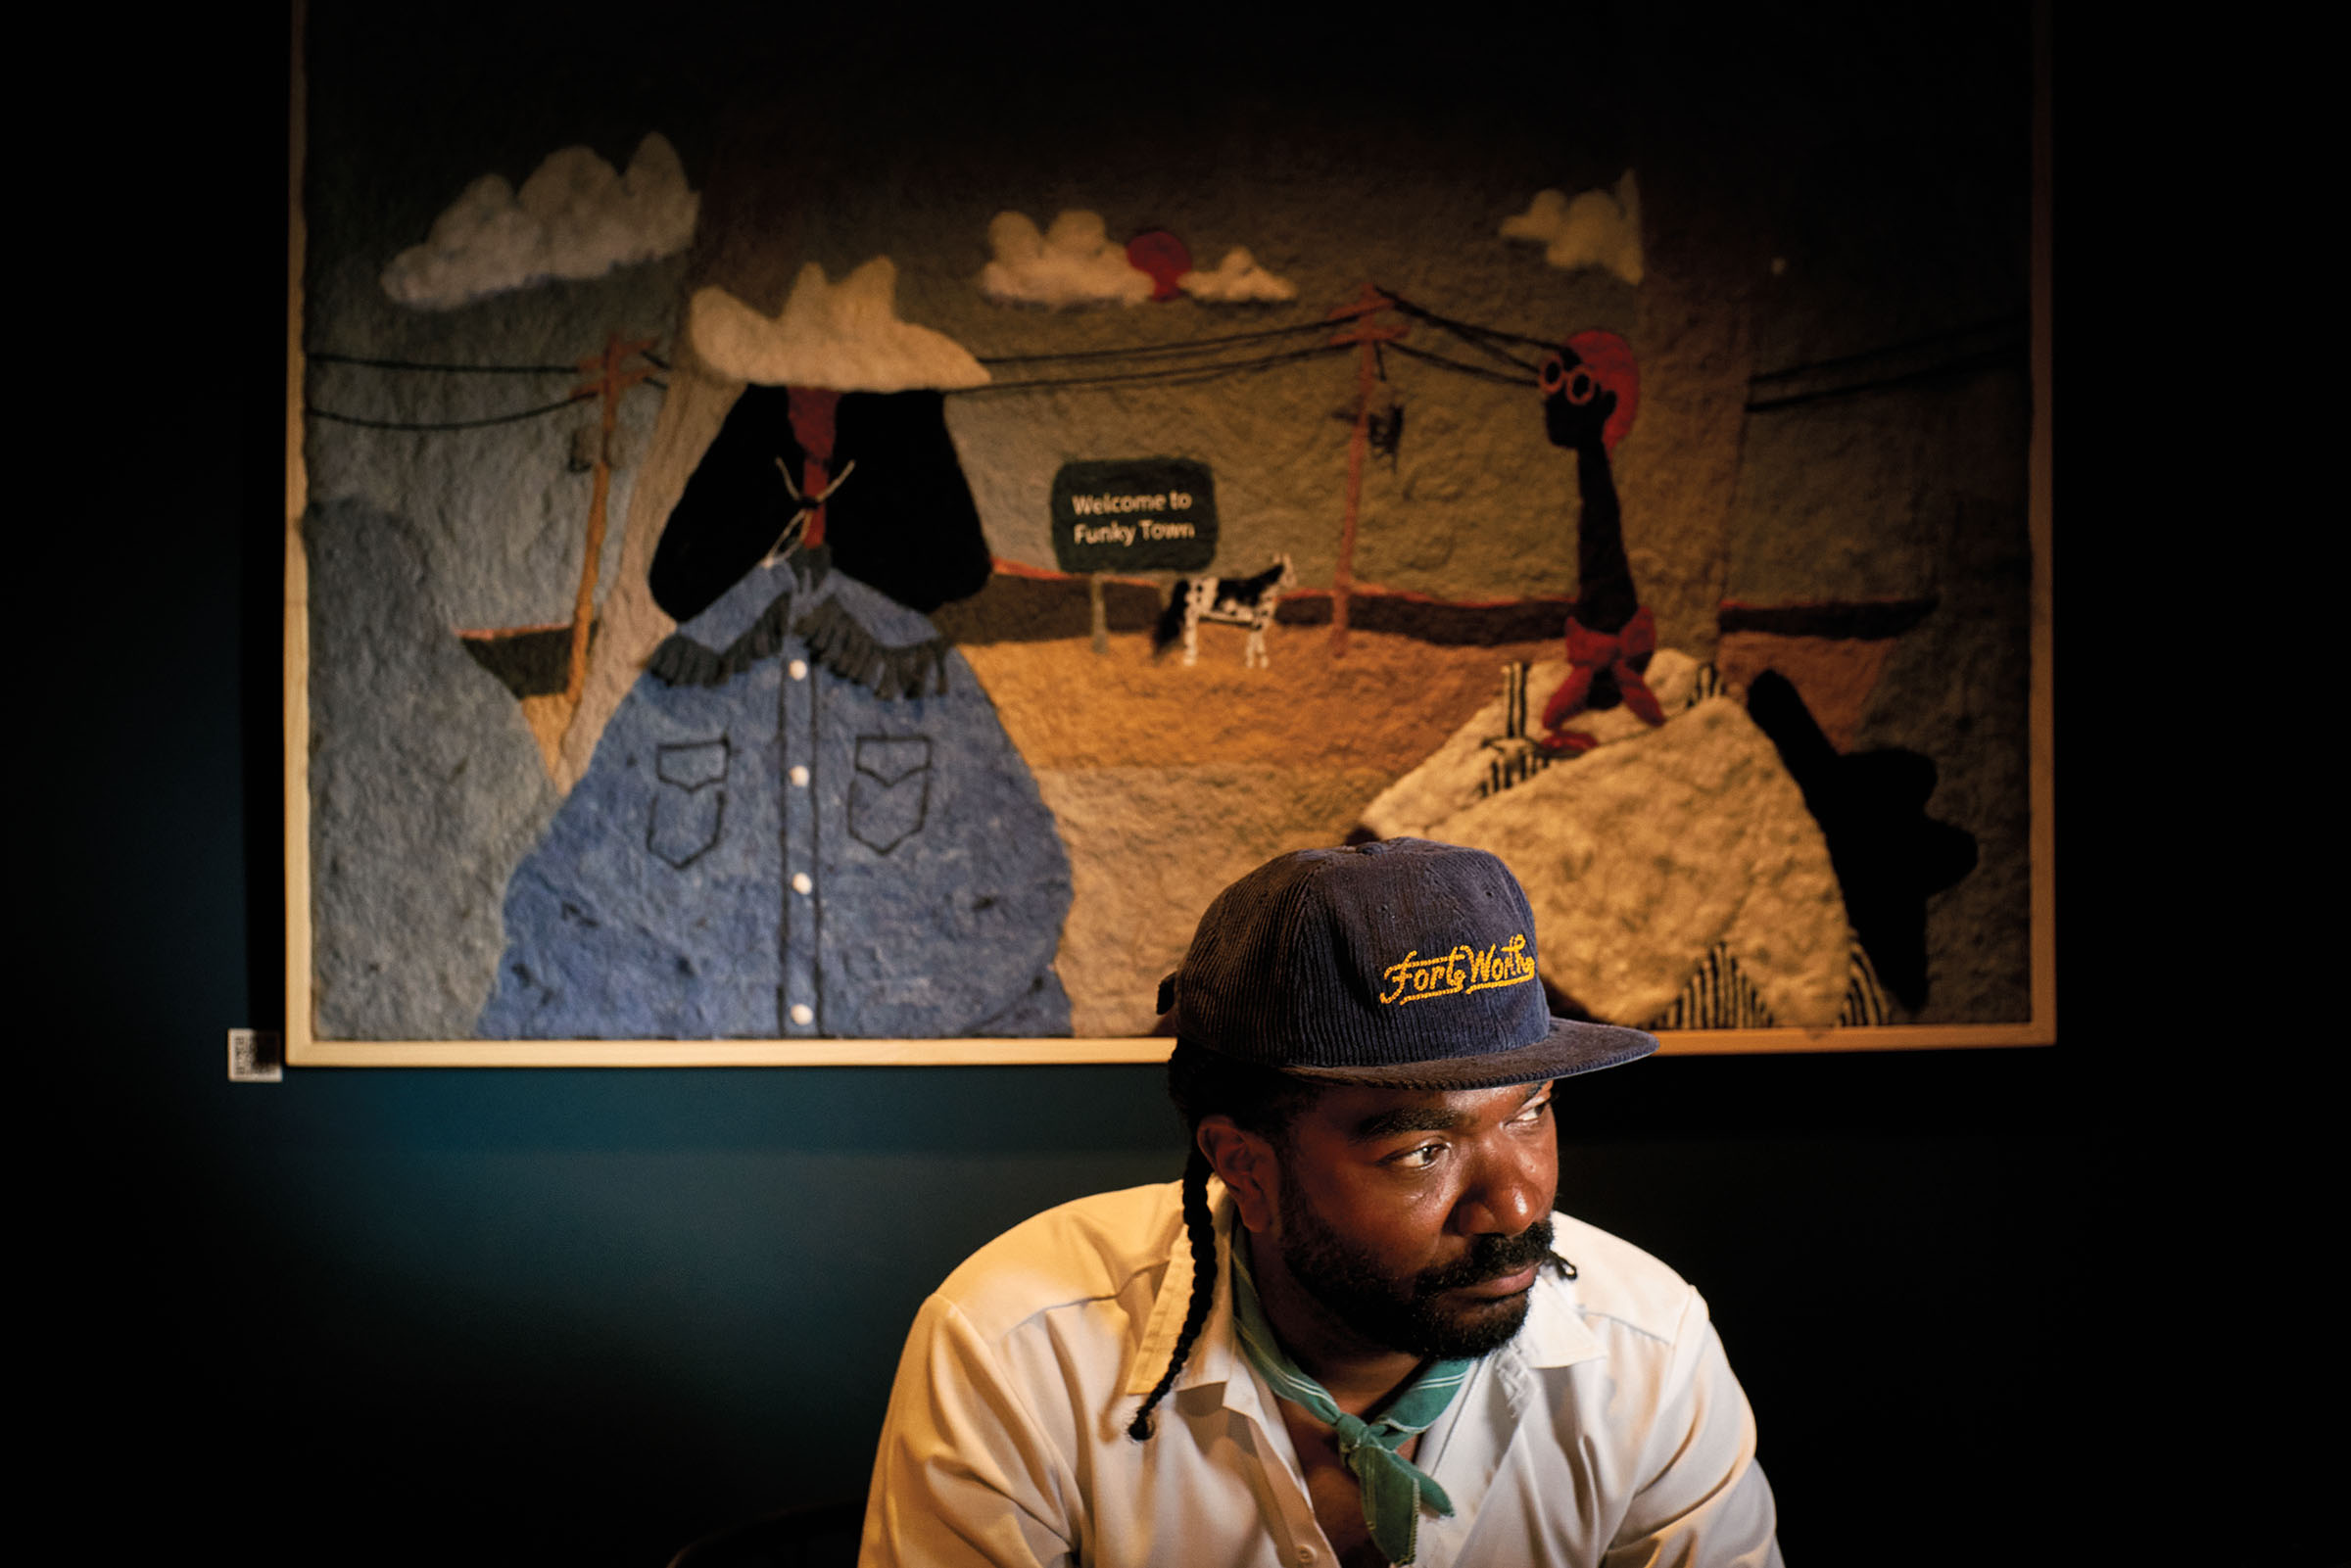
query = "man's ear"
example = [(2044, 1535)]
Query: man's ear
[(1245, 1163)]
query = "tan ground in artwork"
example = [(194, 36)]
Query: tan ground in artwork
[(1383, 707), (1167, 782)]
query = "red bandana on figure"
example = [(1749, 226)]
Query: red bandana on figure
[(1588, 654), (812, 409)]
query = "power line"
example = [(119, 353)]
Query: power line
[(1477, 335), (2010, 323), (1189, 346), (1169, 375), (1478, 370), (316, 412), (322, 357), (1469, 332), (1485, 339), (1983, 360)]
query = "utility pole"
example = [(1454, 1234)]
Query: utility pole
[(611, 380), (1370, 336)]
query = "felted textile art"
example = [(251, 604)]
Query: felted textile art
[(809, 843)]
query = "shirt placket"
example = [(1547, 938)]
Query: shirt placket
[(1461, 1453), (1301, 1540), (800, 1006)]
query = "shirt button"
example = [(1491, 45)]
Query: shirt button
[(1306, 1554), (799, 777), (799, 669), (801, 882), (802, 1013)]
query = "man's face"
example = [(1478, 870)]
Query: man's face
[(1420, 1219)]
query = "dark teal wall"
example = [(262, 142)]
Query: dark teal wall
[(580, 1317)]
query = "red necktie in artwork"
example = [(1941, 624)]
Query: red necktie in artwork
[(812, 409), (1588, 654)]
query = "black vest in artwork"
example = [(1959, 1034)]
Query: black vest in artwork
[(898, 515)]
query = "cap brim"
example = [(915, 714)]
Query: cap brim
[(1571, 1047)]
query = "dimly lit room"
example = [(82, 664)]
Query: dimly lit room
[(755, 604)]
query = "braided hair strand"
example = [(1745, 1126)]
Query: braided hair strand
[(1260, 1099)]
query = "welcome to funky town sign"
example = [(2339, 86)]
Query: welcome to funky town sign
[(1143, 514)]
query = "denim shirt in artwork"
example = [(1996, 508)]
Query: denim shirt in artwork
[(804, 819)]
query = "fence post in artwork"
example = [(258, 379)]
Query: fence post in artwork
[(611, 382), (1370, 336)]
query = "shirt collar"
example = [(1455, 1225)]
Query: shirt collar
[(1556, 1334), (1214, 1357)]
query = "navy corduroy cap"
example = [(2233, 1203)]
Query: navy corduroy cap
[(1404, 963)]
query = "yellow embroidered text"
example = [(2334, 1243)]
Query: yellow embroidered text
[(1415, 979)]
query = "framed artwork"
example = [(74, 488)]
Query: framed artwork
[(814, 544)]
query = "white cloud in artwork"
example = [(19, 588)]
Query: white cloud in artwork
[(1237, 280), (576, 217), (1598, 229), (845, 336), (1072, 264)]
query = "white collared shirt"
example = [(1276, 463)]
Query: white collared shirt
[(1609, 1432)]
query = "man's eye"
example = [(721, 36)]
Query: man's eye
[(1534, 1111), (1419, 1159)]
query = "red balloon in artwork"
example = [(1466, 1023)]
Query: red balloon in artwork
[(1163, 256)]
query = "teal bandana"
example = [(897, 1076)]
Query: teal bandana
[(1394, 1488)]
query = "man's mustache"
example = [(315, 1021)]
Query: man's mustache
[(1490, 1257)]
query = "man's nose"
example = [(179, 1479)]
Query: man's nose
[(1507, 1192)]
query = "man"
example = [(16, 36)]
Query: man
[(1355, 1333)]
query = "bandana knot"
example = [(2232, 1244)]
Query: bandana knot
[(1588, 654), (1395, 1489)]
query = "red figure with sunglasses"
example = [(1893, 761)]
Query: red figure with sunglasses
[(1591, 388)]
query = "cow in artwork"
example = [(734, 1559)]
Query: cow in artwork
[(1246, 601)]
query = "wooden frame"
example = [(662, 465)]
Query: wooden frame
[(304, 1049)]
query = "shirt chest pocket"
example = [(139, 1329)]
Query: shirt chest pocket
[(689, 803), (890, 796)]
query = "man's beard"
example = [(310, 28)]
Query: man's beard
[(1407, 1315)]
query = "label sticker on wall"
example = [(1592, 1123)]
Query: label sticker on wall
[(256, 1055)]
